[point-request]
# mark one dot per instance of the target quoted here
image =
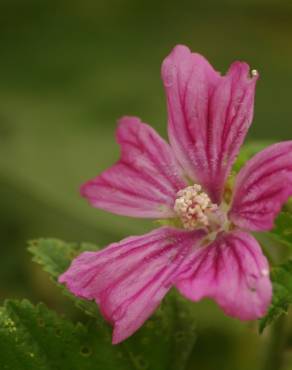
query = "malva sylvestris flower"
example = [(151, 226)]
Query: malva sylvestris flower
[(210, 252)]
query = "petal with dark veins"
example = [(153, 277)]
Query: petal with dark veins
[(144, 182), (208, 115), (262, 187), (234, 272), (129, 279)]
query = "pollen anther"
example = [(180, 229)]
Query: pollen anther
[(194, 206), (254, 72)]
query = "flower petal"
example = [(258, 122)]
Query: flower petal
[(234, 272), (129, 279), (208, 115), (144, 182), (262, 187)]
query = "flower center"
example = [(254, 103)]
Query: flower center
[(195, 209)]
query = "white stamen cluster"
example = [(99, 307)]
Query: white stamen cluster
[(193, 206)]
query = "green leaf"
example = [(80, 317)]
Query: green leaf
[(282, 232), (163, 343), (280, 236), (55, 257), (35, 338), (282, 293)]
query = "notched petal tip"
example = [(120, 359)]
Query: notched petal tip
[(118, 336), (242, 72), (76, 273), (234, 272), (62, 278), (127, 120), (179, 50), (87, 191), (180, 62), (83, 189), (261, 188), (129, 128), (146, 177), (130, 278), (208, 115)]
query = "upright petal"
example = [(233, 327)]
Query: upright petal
[(129, 279), (208, 115), (144, 182), (262, 187), (234, 272)]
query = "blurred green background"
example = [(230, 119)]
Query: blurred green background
[(68, 70)]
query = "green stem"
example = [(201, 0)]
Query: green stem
[(273, 359)]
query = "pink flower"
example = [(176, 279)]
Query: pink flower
[(212, 254)]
